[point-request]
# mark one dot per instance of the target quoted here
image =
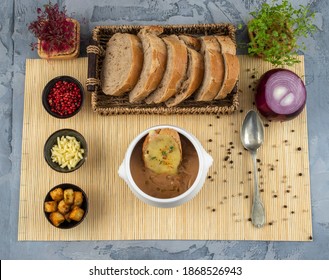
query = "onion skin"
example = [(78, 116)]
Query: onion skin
[(262, 104)]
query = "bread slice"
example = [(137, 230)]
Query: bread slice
[(214, 69), (155, 59), (194, 77), (232, 70), (175, 71), (162, 151), (122, 64), (190, 41), (226, 44)]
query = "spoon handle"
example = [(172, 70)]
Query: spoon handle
[(257, 211)]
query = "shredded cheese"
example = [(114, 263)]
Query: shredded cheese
[(67, 152)]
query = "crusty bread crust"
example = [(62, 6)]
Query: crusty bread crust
[(214, 69), (168, 131), (194, 77), (155, 60), (192, 42), (226, 44), (120, 75), (153, 157), (175, 71)]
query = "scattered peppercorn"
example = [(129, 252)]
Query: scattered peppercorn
[(299, 149)]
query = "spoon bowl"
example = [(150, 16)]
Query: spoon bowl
[(252, 131), (252, 137)]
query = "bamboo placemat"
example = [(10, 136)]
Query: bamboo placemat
[(221, 211)]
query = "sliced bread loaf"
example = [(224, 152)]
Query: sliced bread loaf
[(175, 71), (122, 64), (191, 41), (226, 44), (155, 59), (195, 70), (232, 70), (232, 66), (214, 69)]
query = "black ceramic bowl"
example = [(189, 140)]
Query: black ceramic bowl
[(52, 140), (84, 206), (65, 114)]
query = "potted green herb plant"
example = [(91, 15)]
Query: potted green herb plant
[(58, 35), (275, 29)]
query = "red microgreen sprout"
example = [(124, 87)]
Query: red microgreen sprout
[(56, 33)]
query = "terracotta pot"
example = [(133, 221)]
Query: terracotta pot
[(72, 53)]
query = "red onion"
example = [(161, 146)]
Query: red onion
[(281, 95)]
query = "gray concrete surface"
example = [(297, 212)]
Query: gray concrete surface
[(14, 49)]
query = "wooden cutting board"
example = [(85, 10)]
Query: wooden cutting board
[(221, 211)]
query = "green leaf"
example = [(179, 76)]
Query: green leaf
[(277, 28)]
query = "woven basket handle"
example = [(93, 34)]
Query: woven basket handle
[(92, 80)]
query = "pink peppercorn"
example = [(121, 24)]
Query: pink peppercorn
[(64, 98)]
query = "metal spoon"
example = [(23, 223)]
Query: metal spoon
[(252, 137)]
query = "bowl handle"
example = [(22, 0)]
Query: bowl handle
[(208, 159), (122, 172)]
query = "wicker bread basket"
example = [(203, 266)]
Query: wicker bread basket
[(113, 105)]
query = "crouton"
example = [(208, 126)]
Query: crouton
[(56, 218), (57, 194), (68, 196), (50, 206), (76, 214), (63, 208), (78, 199)]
